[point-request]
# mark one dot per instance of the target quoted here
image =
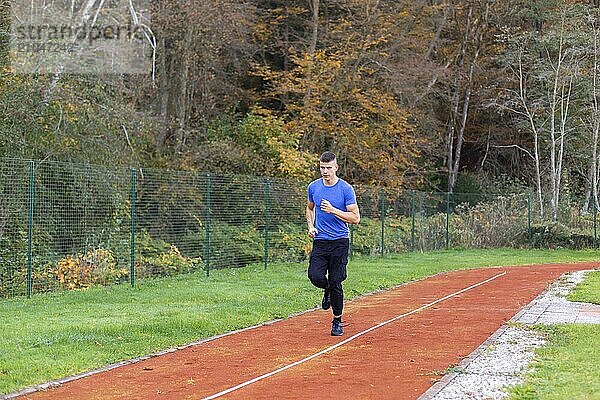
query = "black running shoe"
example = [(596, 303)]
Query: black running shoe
[(326, 303), (336, 328)]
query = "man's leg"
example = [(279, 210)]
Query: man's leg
[(337, 274), (317, 270), (317, 264)]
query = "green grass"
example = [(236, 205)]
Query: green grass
[(568, 367), (59, 334), (589, 290)]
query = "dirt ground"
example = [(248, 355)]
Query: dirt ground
[(399, 360)]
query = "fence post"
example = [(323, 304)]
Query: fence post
[(30, 228), (267, 199), (412, 223), (382, 219), (447, 220), (529, 218), (207, 226), (133, 200)]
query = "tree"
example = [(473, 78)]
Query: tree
[(591, 113), (545, 64), (204, 49), (471, 44), (354, 82)]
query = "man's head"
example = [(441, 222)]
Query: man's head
[(328, 166), (328, 156)]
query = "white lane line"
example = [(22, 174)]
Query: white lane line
[(335, 346)]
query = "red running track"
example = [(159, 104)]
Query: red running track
[(399, 360)]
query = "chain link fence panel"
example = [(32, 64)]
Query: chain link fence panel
[(68, 226)]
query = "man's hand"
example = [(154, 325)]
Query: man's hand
[(312, 232), (327, 207), (351, 216)]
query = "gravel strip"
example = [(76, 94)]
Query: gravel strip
[(503, 359)]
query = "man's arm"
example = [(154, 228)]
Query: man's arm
[(352, 216), (310, 218)]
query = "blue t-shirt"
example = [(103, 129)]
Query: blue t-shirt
[(340, 196)]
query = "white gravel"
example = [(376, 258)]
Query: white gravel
[(502, 360)]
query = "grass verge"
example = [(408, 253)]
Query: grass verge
[(588, 291), (59, 334), (567, 368)]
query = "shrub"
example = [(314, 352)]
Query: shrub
[(146, 245), (289, 242), (160, 258), (497, 223), (81, 271), (556, 235), (73, 274), (14, 262), (397, 234), (430, 232), (104, 267), (366, 237), (235, 246), (166, 263)]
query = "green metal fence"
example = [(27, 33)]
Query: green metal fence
[(67, 226), (15, 230), (418, 221)]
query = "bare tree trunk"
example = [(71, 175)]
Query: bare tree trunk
[(596, 179), (553, 166), (427, 55), (312, 48), (182, 109), (163, 98), (593, 170), (559, 102), (436, 37), (314, 5), (564, 114), (454, 154), (452, 173), (463, 125), (451, 130), (593, 167), (536, 137), (82, 18), (550, 113)]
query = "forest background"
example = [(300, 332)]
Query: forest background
[(441, 95)]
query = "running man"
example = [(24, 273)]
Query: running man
[(328, 225)]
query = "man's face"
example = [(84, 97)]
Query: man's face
[(328, 170)]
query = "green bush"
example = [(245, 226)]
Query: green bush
[(105, 267), (166, 264), (81, 271), (159, 258), (496, 223), (13, 265), (556, 235), (397, 234), (14, 262), (289, 242), (366, 237), (231, 245), (430, 232)]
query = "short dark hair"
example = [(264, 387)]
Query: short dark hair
[(328, 156)]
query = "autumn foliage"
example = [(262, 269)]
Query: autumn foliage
[(421, 95)]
